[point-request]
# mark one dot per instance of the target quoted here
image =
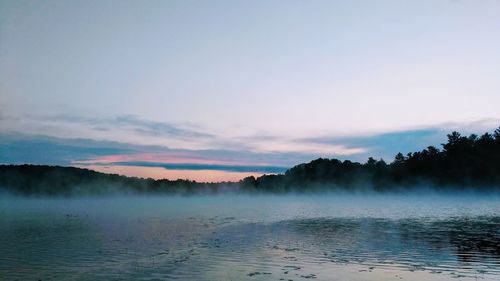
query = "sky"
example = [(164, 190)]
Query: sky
[(219, 90)]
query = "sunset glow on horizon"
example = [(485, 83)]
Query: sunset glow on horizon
[(161, 173)]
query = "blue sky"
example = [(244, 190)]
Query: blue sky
[(213, 84)]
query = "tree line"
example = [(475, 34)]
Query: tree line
[(462, 163)]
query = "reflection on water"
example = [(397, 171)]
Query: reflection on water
[(251, 238)]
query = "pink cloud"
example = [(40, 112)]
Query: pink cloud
[(159, 158)]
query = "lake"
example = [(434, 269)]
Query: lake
[(244, 237)]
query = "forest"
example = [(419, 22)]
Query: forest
[(462, 163)]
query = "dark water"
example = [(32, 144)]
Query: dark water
[(330, 237)]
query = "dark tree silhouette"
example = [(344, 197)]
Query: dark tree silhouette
[(463, 163), (471, 163)]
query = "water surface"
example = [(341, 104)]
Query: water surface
[(320, 237)]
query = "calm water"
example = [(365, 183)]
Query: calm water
[(330, 237)]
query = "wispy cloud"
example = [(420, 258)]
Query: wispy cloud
[(118, 142), (201, 166), (121, 128), (386, 145), (39, 149), (19, 149), (135, 130), (130, 122)]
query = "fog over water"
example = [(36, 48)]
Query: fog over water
[(252, 237)]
